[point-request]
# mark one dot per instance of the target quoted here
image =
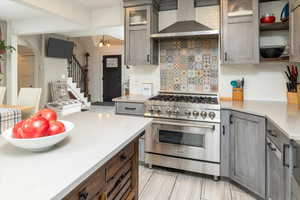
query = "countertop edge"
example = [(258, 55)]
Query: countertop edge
[(83, 177), (291, 137)]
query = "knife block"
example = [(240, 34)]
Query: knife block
[(292, 98), (237, 94)]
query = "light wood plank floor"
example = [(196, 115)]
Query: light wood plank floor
[(160, 184)]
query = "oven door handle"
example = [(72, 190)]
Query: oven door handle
[(181, 124)]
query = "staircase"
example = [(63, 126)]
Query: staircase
[(77, 94), (78, 81)]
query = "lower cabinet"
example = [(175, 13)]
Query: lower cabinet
[(276, 174), (115, 180), (247, 151)]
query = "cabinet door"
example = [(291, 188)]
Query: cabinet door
[(247, 151), (276, 183), (295, 31), (240, 32), (138, 42), (225, 142)]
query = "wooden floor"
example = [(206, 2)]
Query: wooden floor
[(161, 184)]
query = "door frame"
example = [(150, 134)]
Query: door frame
[(120, 61)]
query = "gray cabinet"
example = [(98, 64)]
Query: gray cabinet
[(295, 31), (240, 32), (247, 151), (140, 22), (276, 176), (225, 142)]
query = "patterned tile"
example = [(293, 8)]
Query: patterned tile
[(189, 65)]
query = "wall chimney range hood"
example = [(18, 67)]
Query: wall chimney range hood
[(186, 24)]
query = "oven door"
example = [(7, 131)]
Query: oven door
[(197, 141)]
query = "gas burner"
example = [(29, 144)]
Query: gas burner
[(186, 99)]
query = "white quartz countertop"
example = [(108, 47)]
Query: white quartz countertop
[(285, 116), (132, 98), (95, 139)]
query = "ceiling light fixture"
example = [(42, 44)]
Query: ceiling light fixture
[(104, 42)]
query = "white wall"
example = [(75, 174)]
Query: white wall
[(262, 82), (26, 68), (143, 74), (54, 69)]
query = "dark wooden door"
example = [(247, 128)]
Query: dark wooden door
[(112, 77)]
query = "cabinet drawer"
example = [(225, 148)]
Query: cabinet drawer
[(90, 188), (121, 179), (130, 108), (118, 161), (276, 136)]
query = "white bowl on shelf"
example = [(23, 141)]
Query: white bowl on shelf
[(41, 143)]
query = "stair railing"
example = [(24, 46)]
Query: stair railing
[(79, 74)]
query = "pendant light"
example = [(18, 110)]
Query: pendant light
[(104, 42)]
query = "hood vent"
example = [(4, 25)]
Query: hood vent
[(186, 24)]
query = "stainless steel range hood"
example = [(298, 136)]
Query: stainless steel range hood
[(186, 24)]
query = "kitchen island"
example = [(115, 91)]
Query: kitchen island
[(93, 143)]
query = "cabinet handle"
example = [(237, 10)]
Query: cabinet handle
[(83, 195), (123, 157), (230, 119), (285, 146), (148, 58), (226, 56), (128, 108), (223, 131)]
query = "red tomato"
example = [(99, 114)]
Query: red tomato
[(48, 114), (56, 127), (35, 127), (17, 130)]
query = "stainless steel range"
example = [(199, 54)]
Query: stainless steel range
[(185, 133)]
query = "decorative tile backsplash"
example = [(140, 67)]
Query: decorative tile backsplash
[(189, 65)]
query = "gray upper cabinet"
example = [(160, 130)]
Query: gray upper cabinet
[(140, 22), (247, 151), (295, 31), (240, 32)]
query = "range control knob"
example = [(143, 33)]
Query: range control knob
[(151, 109), (176, 111), (195, 113), (188, 113), (212, 115), (169, 111), (203, 114), (158, 110)]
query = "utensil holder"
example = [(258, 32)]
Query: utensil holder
[(237, 94), (292, 98)]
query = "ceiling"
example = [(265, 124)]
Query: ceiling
[(11, 10), (99, 3)]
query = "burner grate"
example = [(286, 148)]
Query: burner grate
[(186, 99)]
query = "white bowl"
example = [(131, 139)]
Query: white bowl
[(41, 143)]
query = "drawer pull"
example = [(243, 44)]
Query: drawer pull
[(83, 195), (129, 108), (272, 134), (123, 157), (285, 146)]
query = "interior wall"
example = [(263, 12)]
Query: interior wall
[(26, 68)]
